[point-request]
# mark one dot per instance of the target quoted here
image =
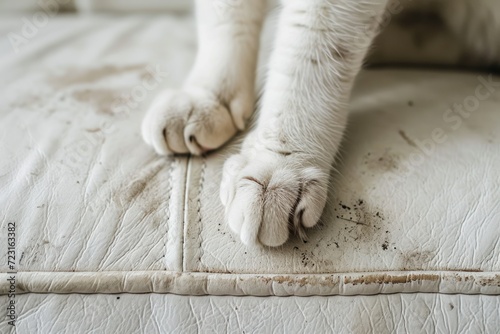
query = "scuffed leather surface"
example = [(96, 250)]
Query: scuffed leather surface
[(98, 212), (442, 214), (84, 191), (190, 283), (401, 313)]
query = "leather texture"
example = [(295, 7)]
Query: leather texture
[(97, 212), (152, 313), (34, 7), (131, 6)]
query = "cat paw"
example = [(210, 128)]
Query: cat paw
[(191, 121), (267, 195)]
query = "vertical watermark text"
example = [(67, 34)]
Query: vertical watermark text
[(12, 272)]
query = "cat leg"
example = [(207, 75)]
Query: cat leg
[(280, 178), (218, 96)]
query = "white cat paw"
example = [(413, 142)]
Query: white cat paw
[(267, 195), (191, 121)]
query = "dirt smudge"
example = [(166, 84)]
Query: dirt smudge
[(102, 100), (148, 188), (382, 163), (417, 260), (301, 281), (466, 270), (390, 279), (361, 222), (407, 139), (88, 76), (493, 281)]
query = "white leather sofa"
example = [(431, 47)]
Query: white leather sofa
[(111, 238)]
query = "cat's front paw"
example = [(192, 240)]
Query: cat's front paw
[(266, 195), (190, 121)]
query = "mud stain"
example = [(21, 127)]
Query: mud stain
[(382, 163), (148, 189), (137, 185), (102, 100), (417, 260), (306, 259), (216, 271), (407, 139), (390, 279), (494, 281), (329, 281), (36, 254), (309, 259), (361, 223), (466, 270), (28, 102), (77, 76)]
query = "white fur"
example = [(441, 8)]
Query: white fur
[(218, 96), (280, 177)]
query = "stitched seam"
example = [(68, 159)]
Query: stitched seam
[(185, 210), (200, 225), (173, 166)]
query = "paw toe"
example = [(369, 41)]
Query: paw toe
[(265, 199), (162, 128), (312, 198), (187, 122), (208, 127)]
